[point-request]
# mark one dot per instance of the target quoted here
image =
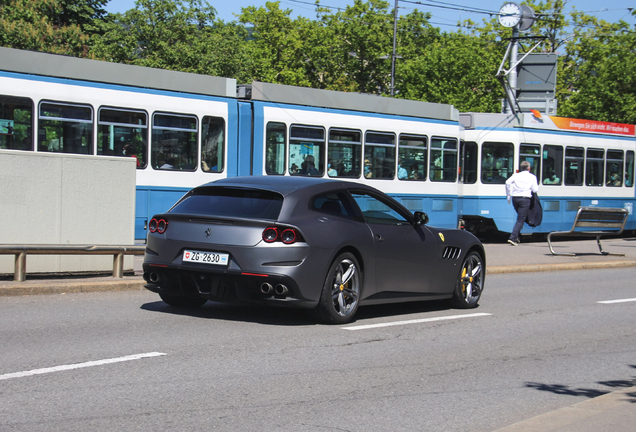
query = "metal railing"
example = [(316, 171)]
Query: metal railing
[(21, 251)]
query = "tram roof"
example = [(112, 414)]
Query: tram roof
[(61, 66), (539, 121), (279, 93)]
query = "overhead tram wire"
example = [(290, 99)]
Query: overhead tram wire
[(450, 6), (461, 8)]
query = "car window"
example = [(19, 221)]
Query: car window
[(377, 211), (334, 203), (231, 202)]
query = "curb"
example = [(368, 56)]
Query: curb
[(64, 287), (556, 267), (49, 286), (589, 415)]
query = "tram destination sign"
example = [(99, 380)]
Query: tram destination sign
[(537, 120)]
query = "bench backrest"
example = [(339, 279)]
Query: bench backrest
[(600, 217)]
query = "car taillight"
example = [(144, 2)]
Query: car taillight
[(158, 225), (287, 235), (270, 234)]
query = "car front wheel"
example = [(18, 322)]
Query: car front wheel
[(183, 301), (341, 291), (470, 282)]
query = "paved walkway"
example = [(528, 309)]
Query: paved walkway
[(615, 412)]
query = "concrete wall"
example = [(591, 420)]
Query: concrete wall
[(63, 199)]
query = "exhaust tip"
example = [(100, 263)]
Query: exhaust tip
[(266, 288), (154, 277), (281, 290)]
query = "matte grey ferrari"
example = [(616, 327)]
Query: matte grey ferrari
[(325, 245)]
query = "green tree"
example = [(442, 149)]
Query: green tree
[(361, 42), (85, 13), (456, 69), (156, 33), (45, 25), (178, 35), (601, 84), (276, 44)]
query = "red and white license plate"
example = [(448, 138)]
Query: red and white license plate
[(205, 257)]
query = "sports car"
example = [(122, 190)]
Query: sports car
[(325, 245)]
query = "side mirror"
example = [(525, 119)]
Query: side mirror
[(421, 218)]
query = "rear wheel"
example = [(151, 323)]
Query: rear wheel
[(470, 282), (341, 291), (182, 301)]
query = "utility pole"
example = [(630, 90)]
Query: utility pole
[(395, 18)]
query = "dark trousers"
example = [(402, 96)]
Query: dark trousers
[(521, 205)]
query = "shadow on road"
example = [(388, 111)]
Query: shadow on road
[(589, 393), (290, 317)]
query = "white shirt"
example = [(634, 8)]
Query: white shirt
[(521, 184)]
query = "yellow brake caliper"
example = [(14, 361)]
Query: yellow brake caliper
[(464, 280)]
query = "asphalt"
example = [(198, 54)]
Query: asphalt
[(614, 411)]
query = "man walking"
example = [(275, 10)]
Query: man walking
[(520, 187)]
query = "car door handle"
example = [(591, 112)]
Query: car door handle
[(379, 237)]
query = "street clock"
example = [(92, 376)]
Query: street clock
[(510, 15)]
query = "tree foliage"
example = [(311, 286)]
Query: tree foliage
[(600, 83), (55, 26), (346, 50)]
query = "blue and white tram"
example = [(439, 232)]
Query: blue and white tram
[(186, 130), (577, 163), (407, 149), (179, 126)]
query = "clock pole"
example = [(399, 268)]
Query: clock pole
[(514, 54)]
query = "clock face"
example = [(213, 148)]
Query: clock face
[(509, 15)]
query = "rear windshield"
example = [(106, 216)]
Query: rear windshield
[(231, 202)]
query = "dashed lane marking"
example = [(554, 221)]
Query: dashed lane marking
[(79, 365), (617, 301), (417, 321)]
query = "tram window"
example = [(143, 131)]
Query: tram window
[(614, 168), (531, 153), (344, 154), (122, 132), (629, 168), (574, 162), (212, 144), (174, 142), (379, 155), (552, 164), (468, 157), (65, 128), (275, 137), (594, 167), (443, 162), (412, 159), (306, 150), (16, 123), (497, 161)]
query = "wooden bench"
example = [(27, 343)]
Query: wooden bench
[(118, 252), (594, 221)]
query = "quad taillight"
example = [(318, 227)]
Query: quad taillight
[(158, 225), (285, 235)]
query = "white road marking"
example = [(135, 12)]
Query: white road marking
[(417, 321), (79, 365), (617, 301)]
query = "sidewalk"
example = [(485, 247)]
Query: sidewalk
[(500, 258), (614, 412)]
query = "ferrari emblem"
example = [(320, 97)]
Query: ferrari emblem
[(441, 236)]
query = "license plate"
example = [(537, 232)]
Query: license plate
[(205, 257)]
